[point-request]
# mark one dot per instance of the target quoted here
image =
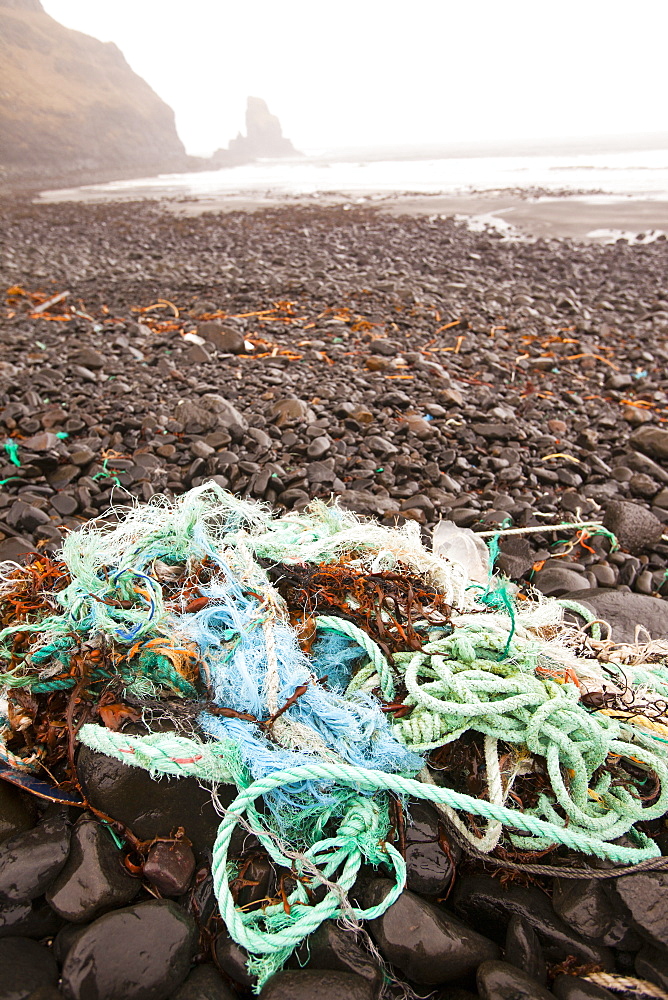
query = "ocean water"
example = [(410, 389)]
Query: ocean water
[(618, 175)]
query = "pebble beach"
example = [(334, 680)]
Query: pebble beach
[(417, 370)]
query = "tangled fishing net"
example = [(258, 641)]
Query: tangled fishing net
[(331, 669)]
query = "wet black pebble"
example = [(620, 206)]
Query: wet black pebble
[(65, 939), (593, 912), (30, 861), (169, 867), (46, 993), (16, 813), (429, 869), (204, 983), (142, 952), (332, 947), (232, 958), (487, 905), (34, 919), (25, 966), (501, 981), (323, 984), (425, 942), (93, 879), (150, 808), (523, 949), (574, 988), (652, 964), (644, 896), (11, 917), (455, 994)]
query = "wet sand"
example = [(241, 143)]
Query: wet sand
[(592, 218)]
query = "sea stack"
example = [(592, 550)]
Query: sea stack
[(264, 138)]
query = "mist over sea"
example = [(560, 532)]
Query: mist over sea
[(606, 170)]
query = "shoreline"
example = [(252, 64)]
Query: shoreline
[(583, 217)]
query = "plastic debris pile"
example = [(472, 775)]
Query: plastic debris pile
[(329, 668)]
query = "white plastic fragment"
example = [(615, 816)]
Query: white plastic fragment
[(463, 546)]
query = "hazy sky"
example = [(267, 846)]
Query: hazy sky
[(377, 72)]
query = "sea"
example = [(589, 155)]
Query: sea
[(609, 170)]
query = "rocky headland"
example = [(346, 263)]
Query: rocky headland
[(73, 111)]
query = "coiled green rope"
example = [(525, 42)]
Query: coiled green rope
[(271, 934), (504, 669)]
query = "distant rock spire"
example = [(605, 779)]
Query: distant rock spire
[(264, 134)]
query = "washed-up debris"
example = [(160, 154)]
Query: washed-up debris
[(330, 669)]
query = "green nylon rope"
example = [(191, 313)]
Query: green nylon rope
[(373, 651), (480, 679), (459, 683), (12, 449), (489, 670), (585, 613), (270, 935), (169, 754)]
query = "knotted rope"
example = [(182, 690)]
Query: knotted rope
[(177, 599)]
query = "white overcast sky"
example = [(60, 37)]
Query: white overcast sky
[(378, 72)]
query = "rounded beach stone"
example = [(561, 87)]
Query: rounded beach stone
[(644, 896), (652, 964), (169, 867), (326, 984), (489, 906), (93, 879), (553, 581), (25, 966), (429, 870), (150, 808), (523, 949), (636, 529), (501, 981), (652, 440), (16, 813), (31, 860), (223, 338), (232, 958), (332, 947), (623, 611), (204, 983), (425, 942), (142, 951), (34, 920), (589, 909), (574, 988), (45, 993)]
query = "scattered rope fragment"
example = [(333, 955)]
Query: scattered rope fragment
[(626, 984), (540, 528), (12, 449)]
